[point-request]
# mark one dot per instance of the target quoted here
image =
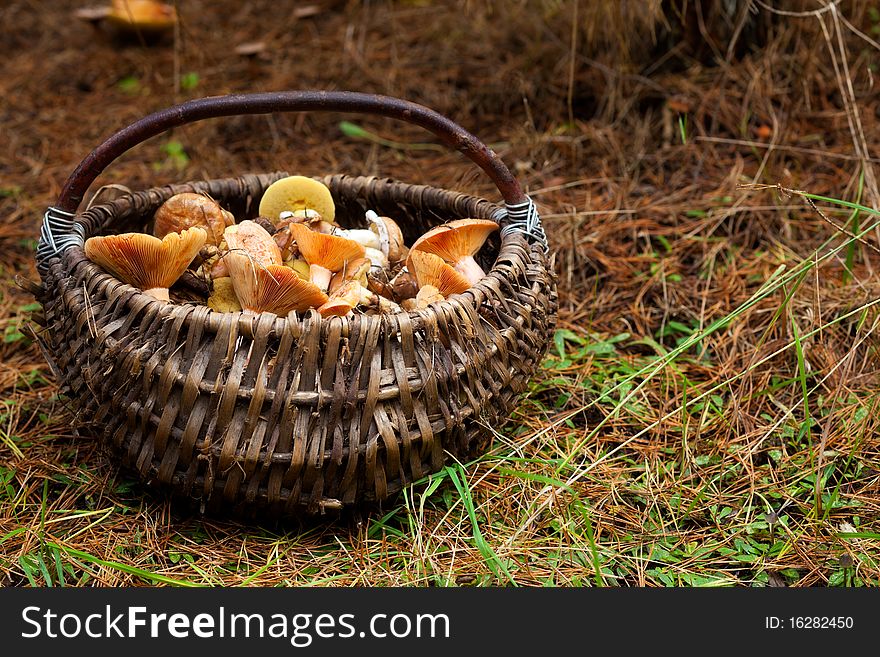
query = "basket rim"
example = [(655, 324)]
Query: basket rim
[(74, 258)]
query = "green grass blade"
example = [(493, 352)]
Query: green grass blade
[(492, 560), (125, 568)]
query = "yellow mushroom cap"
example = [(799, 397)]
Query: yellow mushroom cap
[(430, 269), (186, 210), (273, 288), (328, 251), (222, 298), (146, 261), (297, 193), (254, 240)]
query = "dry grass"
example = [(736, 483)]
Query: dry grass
[(708, 414)]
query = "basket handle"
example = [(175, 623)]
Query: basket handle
[(60, 230)]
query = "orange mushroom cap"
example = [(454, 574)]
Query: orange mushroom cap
[(145, 15), (328, 251), (145, 261), (455, 239), (355, 270), (429, 269)]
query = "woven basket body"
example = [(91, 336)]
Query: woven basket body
[(280, 416)]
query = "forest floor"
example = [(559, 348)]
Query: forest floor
[(708, 413)]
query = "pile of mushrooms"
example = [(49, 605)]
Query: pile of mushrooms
[(294, 256)]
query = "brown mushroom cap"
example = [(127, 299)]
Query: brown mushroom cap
[(404, 285), (186, 210), (251, 238), (454, 240), (145, 261), (328, 251), (430, 269), (272, 288), (297, 193)]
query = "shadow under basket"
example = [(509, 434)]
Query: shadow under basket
[(271, 417)]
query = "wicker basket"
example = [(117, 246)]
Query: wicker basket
[(281, 416)]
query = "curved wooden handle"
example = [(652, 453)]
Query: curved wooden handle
[(446, 131)]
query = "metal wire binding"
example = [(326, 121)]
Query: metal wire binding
[(524, 217), (58, 232)]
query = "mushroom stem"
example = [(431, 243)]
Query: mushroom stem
[(362, 236), (469, 268), (160, 293), (320, 276), (377, 259)]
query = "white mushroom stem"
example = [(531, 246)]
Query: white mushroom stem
[(380, 230), (362, 236), (320, 276), (469, 268), (377, 258), (160, 293)]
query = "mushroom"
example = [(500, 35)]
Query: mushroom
[(310, 218), (300, 266), (270, 288), (349, 288), (188, 209), (326, 254), (383, 240), (252, 238), (427, 295), (356, 271), (456, 242), (297, 193), (429, 269), (213, 263), (222, 297), (378, 261), (363, 236), (404, 285), (138, 16), (145, 261), (343, 300), (390, 236)]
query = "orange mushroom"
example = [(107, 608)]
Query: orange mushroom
[(343, 300), (326, 254), (270, 288), (145, 261), (430, 269), (456, 243), (146, 16)]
